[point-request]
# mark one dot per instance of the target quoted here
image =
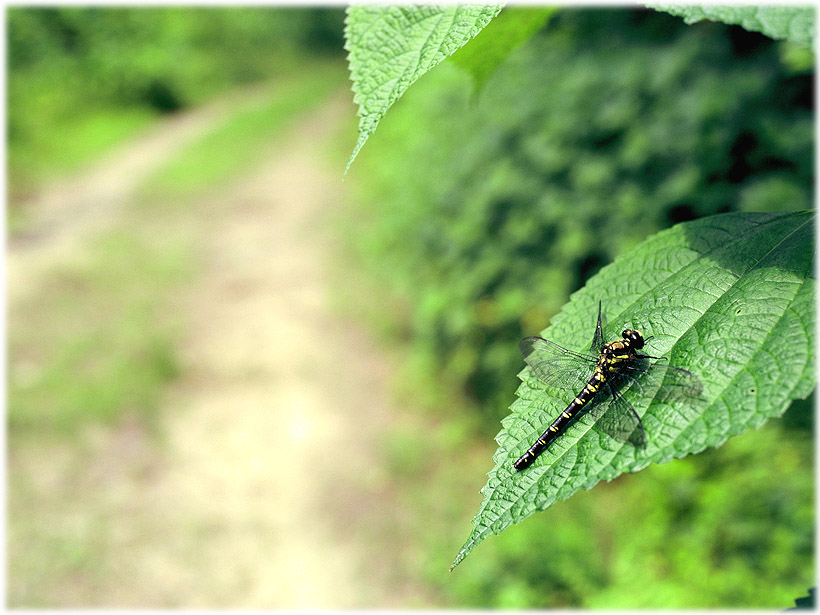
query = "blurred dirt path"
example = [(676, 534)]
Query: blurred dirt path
[(273, 427), (266, 488)]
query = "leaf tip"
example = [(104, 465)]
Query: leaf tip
[(359, 144)]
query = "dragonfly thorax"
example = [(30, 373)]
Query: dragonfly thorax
[(616, 353), (622, 349)]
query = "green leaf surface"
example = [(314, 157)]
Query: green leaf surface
[(792, 23), (511, 28), (729, 297), (390, 47)]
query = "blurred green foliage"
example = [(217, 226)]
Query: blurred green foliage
[(606, 128), (483, 214), (68, 64)]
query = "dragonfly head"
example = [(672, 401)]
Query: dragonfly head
[(634, 337)]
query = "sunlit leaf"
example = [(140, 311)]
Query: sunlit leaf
[(729, 297), (793, 23), (390, 47)]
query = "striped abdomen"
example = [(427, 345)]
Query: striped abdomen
[(558, 426)]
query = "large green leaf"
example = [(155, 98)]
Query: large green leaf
[(793, 23), (729, 297), (390, 47)]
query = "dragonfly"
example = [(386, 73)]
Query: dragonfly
[(598, 377)]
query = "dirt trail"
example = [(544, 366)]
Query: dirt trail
[(266, 491), (68, 212), (272, 402)]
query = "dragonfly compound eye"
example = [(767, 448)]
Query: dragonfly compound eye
[(634, 337)]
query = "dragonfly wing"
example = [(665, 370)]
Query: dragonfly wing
[(556, 366), (598, 338), (674, 383), (617, 418)]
